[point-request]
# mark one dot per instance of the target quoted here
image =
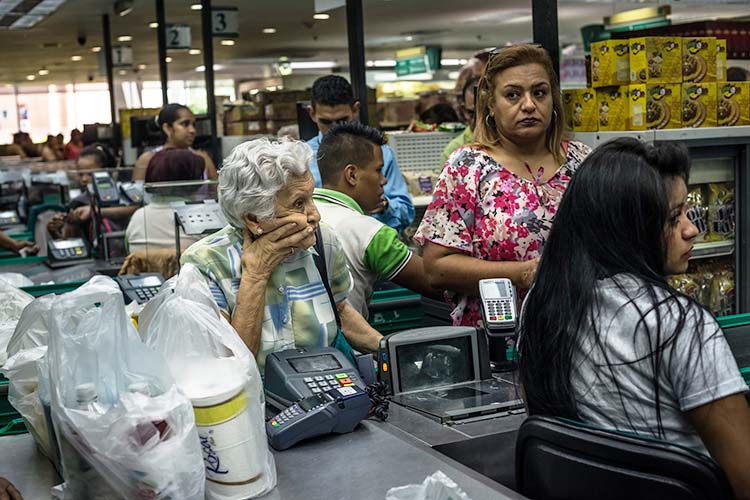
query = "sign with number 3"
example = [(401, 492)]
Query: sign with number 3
[(225, 21)]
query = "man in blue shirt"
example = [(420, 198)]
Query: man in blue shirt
[(333, 102)]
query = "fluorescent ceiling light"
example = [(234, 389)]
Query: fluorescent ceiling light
[(194, 52), (453, 75), (142, 66), (409, 38), (269, 31), (382, 63), (321, 17), (450, 62), (228, 43), (202, 68), (196, 6), (168, 59), (30, 77), (76, 58), (96, 49), (313, 65), (122, 72), (124, 38), (153, 25), (43, 72)]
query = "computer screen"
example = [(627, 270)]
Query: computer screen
[(114, 246), (435, 363)]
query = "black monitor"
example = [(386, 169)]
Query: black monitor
[(144, 132), (307, 128), (101, 133)]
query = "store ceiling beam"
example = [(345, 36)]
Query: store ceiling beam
[(161, 40), (545, 30), (356, 38), (107, 43), (208, 73)]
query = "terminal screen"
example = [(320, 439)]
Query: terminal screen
[(63, 244), (320, 363), (146, 281), (435, 363)]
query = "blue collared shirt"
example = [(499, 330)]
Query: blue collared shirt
[(400, 210)]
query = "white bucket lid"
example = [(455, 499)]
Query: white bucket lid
[(207, 381)]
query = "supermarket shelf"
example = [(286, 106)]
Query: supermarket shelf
[(713, 249), (594, 139)]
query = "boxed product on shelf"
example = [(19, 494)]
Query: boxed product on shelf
[(699, 59), (698, 211), (273, 126), (656, 59), (710, 282), (242, 112), (420, 183), (721, 60), (722, 295), (610, 64), (396, 112), (733, 105), (699, 104), (245, 128), (637, 107), (663, 106), (582, 108), (281, 111), (721, 214), (612, 103)]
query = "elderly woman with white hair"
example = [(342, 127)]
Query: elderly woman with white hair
[(261, 267)]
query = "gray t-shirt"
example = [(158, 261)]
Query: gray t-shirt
[(688, 377)]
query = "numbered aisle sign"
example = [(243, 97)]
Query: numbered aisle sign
[(225, 21), (178, 36), (122, 55)]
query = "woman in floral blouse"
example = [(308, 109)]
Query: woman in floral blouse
[(493, 205)]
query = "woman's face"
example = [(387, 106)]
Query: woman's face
[(296, 201), (680, 231), (181, 133), (523, 102)]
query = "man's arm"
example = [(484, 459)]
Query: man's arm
[(413, 277), (399, 212), (357, 330)]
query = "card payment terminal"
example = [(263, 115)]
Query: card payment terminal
[(498, 306), (105, 190), (67, 252), (337, 410), (140, 287), (294, 374)]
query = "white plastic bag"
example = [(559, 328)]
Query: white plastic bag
[(117, 441), (21, 371), (215, 369), (32, 329), (438, 486), (16, 279), (12, 303)]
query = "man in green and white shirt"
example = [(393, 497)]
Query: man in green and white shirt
[(351, 164)]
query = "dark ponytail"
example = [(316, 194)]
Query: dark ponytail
[(169, 114)]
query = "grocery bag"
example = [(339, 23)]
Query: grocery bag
[(123, 427), (12, 303), (214, 368)]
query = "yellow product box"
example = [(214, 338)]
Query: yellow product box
[(610, 64), (663, 106), (637, 107), (583, 109), (721, 60), (568, 108), (656, 59), (612, 103), (699, 104), (699, 59), (733, 104)]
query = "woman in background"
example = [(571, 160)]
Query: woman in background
[(605, 340)]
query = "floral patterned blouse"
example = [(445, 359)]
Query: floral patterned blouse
[(490, 213)]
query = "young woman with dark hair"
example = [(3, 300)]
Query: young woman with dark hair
[(178, 124), (605, 340)]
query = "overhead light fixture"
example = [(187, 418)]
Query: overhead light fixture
[(202, 68), (123, 7), (43, 72), (450, 62), (124, 38), (76, 58), (30, 77), (194, 52), (196, 6), (321, 17), (313, 65), (153, 25), (409, 38), (122, 72), (96, 49), (228, 43), (168, 59), (142, 67), (269, 31), (383, 63)]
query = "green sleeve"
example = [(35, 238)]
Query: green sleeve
[(386, 254)]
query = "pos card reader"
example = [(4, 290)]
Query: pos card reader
[(298, 373), (337, 410)]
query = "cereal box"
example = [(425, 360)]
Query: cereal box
[(655, 59), (610, 64), (612, 103), (733, 104), (721, 60), (583, 109), (663, 106), (637, 107), (699, 59), (699, 104)]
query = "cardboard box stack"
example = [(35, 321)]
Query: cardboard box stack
[(671, 82), (245, 118)]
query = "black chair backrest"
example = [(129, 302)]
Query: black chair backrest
[(557, 459)]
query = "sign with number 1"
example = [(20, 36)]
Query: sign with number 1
[(122, 55), (225, 21)]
